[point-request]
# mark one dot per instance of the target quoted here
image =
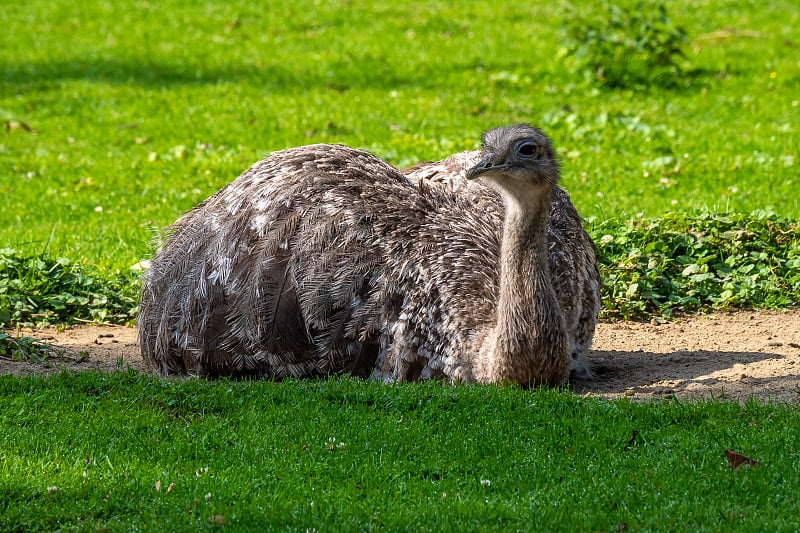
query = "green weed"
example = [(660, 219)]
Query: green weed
[(626, 46), (37, 290), (24, 348), (689, 262)]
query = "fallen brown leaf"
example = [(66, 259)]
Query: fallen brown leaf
[(217, 519), (736, 459)]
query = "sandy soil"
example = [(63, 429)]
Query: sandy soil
[(733, 355)]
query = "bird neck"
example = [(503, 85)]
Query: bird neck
[(528, 344)]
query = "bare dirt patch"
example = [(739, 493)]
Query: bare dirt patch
[(727, 355)]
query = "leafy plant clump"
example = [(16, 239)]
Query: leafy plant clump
[(24, 348), (37, 290), (690, 262), (621, 47)]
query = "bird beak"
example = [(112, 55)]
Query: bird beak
[(485, 165)]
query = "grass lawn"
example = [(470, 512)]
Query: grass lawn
[(119, 116), (122, 452)]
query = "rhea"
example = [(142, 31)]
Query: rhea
[(324, 260)]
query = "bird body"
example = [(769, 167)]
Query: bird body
[(324, 260)]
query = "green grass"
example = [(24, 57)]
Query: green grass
[(119, 116), (342, 454)]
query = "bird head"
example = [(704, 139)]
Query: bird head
[(517, 159)]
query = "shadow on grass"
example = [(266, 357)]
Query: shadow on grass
[(338, 75)]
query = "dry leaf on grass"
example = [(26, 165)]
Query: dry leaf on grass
[(735, 459)]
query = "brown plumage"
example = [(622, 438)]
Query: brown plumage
[(324, 260), (573, 255)]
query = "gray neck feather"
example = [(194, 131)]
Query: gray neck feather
[(528, 342)]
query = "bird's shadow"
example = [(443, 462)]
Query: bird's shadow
[(701, 372)]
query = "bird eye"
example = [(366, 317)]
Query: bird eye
[(526, 149)]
